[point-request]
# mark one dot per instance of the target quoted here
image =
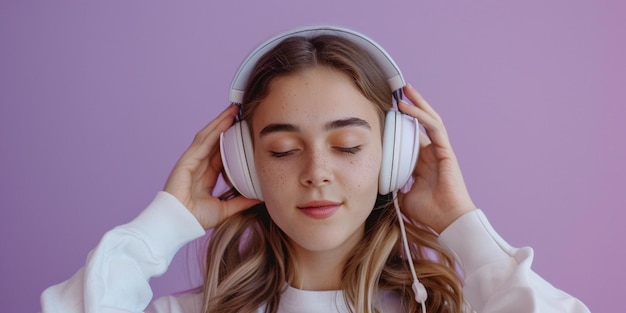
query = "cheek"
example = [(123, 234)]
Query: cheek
[(364, 173), (273, 179), (269, 174), (362, 188)]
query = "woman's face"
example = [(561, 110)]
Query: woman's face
[(317, 144)]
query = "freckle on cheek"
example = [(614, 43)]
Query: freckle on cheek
[(271, 176), (280, 178)]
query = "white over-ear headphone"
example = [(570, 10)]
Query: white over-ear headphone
[(400, 134)]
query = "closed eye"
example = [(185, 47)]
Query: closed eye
[(281, 154), (349, 150)]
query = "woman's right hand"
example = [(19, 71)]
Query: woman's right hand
[(195, 175)]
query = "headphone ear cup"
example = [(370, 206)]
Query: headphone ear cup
[(389, 134), (238, 160), (400, 151)]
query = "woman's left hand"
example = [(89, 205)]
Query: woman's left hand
[(438, 195)]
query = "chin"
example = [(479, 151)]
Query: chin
[(328, 241)]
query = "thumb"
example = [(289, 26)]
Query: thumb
[(238, 204)]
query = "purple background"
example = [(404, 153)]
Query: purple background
[(99, 99)]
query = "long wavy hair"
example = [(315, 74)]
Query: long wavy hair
[(248, 256)]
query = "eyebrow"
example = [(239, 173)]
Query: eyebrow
[(278, 127), (348, 122), (342, 123)]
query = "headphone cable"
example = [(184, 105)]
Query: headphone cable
[(418, 288)]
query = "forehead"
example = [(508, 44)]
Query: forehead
[(315, 95)]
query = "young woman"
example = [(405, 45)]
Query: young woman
[(318, 230)]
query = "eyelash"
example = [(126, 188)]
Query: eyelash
[(349, 150), (346, 150), (281, 154)]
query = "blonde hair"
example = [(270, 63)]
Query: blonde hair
[(247, 261)]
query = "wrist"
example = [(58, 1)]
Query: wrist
[(450, 217)]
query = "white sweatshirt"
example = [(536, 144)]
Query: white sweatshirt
[(498, 277)]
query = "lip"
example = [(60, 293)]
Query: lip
[(319, 209)]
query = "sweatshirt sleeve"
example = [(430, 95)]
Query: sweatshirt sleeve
[(115, 277), (498, 277)]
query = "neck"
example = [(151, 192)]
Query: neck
[(323, 270)]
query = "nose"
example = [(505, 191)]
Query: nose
[(317, 169)]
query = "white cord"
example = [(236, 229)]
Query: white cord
[(418, 288)]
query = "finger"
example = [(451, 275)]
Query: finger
[(424, 140), (215, 160), (206, 138), (219, 124), (207, 170), (236, 205), (215, 167), (433, 126), (419, 101)]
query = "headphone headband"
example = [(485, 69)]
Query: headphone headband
[(381, 57)]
